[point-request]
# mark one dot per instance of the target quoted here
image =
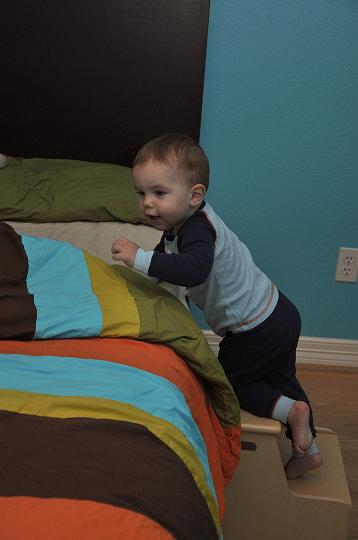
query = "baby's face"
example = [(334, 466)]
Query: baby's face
[(164, 198)]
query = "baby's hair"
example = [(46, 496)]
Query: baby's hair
[(180, 150)]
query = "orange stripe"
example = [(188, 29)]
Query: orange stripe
[(158, 359), (56, 519)]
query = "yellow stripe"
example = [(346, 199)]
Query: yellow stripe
[(84, 407), (119, 312)]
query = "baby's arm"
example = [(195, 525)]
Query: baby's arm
[(188, 268)]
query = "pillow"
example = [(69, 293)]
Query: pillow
[(50, 190)]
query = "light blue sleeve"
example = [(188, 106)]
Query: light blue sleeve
[(142, 262)]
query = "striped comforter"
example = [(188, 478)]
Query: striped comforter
[(131, 436)]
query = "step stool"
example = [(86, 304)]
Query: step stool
[(261, 504)]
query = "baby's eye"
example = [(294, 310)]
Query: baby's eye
[(159, 193), (140, 193)]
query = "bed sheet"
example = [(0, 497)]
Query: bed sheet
[(97, 238)]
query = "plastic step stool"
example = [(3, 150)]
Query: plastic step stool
[(261, 504)]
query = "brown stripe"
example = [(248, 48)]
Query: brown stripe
[(17, 308), (117, 463), (264, 309)]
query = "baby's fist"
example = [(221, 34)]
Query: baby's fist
[(124, 250)]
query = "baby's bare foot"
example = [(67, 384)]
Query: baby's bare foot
[(298, 420), (298, 466)]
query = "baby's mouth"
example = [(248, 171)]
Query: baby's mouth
[(155, 220), (152, 217)]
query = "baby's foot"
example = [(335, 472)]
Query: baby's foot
[(298, 420), (298, 466)]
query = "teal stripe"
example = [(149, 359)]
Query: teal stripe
[(63, 376), (58, 278)]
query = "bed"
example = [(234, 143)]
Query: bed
[(116, 419)]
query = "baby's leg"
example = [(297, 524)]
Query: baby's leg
[(296, 414), (298, 419)]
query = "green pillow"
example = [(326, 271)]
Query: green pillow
[(48, 190)]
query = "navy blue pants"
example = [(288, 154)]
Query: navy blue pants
[(261, 363)]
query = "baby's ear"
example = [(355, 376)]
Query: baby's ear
[(197, 194)]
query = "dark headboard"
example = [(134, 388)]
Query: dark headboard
[(95, 79)]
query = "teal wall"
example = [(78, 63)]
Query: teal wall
[(280, 126)]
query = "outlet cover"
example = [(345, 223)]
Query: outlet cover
[(347, 264)]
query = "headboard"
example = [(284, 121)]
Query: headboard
[(93, 80)]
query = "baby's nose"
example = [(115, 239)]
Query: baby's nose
[(148, 201)]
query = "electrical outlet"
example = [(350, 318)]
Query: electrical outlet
[(347, 264)]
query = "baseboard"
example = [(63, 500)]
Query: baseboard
[(328, 351), (314, 350)]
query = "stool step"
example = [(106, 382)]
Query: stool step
[(329, 481), (259, 424)]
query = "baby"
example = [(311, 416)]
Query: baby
[(260, 327)]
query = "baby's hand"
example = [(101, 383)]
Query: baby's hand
[(124, 250)]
